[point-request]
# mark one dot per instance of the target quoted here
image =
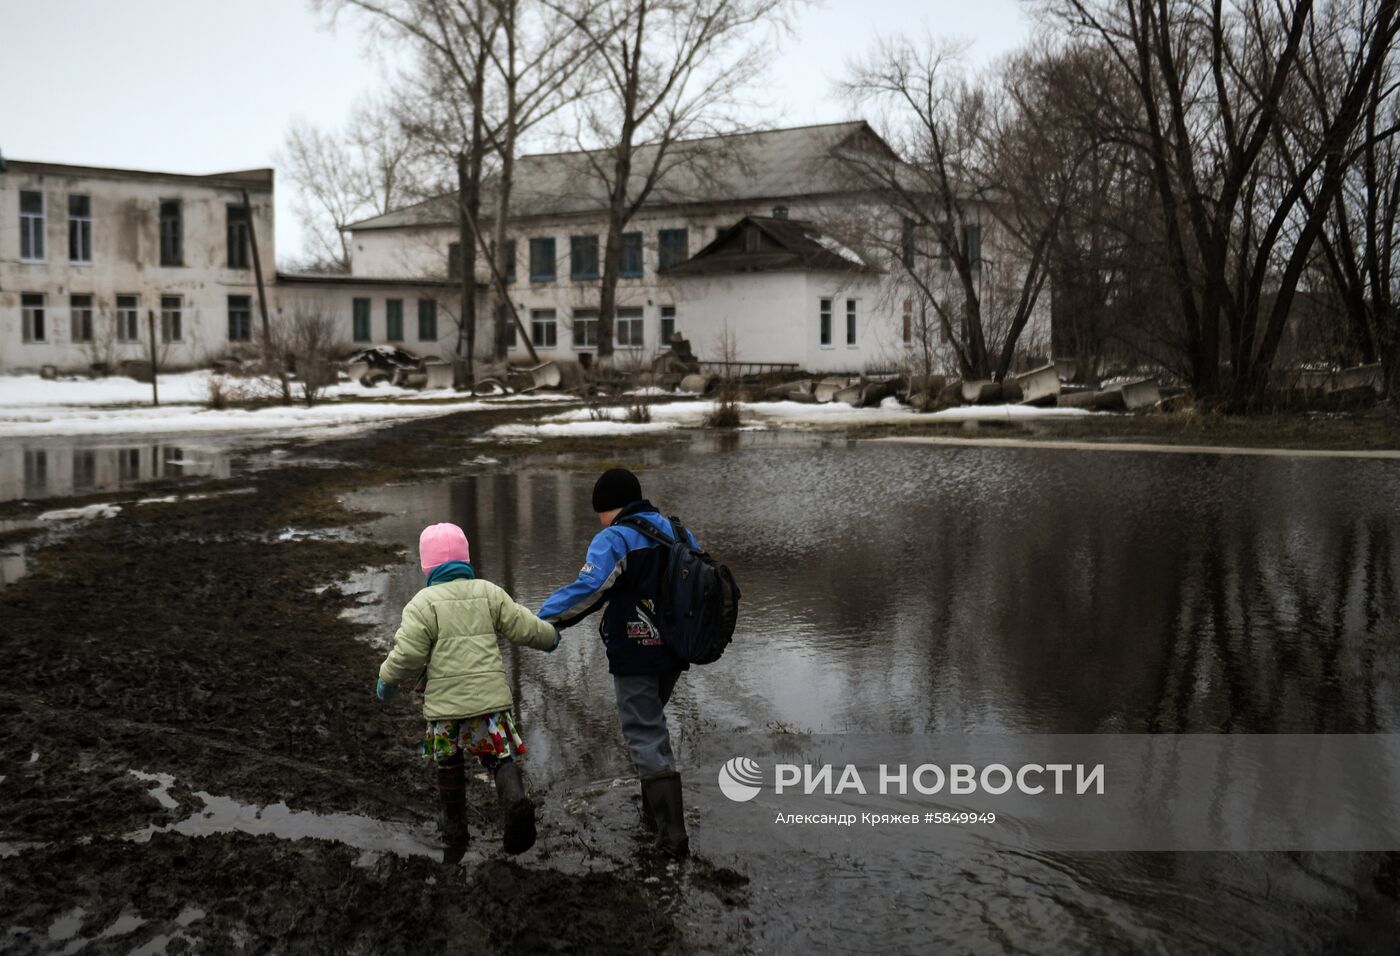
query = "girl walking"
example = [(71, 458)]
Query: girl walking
[(450, 628)]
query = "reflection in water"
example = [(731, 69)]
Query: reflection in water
[(52, 469), (918, 589)]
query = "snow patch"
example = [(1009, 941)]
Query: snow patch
[(81, 514)]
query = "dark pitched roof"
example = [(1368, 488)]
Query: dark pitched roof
[(742, 167), (764, 244)]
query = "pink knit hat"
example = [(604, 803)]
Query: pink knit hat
[(440, 543)]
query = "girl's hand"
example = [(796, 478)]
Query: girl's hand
[(384, 691)]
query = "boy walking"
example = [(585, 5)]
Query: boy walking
[(624, 568)]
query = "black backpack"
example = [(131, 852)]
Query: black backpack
[(698, 604)]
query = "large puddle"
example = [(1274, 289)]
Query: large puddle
[(898, 589), (64, 467)]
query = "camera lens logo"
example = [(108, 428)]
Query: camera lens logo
[(740, 779)]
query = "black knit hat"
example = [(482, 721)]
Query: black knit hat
[(616, 488)]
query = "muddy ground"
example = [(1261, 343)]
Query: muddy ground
[(185, 639)]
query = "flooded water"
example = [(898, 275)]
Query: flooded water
[(62, 467), (906, 589)]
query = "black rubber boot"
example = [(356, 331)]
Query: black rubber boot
[(517, 812), (452, 792), (648, 818), (663, 793)]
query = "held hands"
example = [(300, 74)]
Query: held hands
[(383, 691), (558, 636)]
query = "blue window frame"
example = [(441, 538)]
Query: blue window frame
[(673, 247), (360, 319), (240, 318), (631, 265), (972, 244), (393, 320), (825, 321), (427, 320), (542, 259), (583, 257)]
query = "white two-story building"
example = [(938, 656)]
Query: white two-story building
[(96, 262), (735, 248)]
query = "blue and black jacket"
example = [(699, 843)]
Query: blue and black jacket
[(624, 568)]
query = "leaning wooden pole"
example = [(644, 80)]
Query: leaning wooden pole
[(151, 331), (262, 305)]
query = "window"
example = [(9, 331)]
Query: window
[(631, 265), (510, 261), (171, 318), (583, 257), (585, 328), (542, 327), (128, 319), (511, 334), (36, 472), (629, 328), (972, 244), (80, 318), (850, 321), (359, 320), (31, 225), (427, 320), (32, 310), (454, 260), (79, 228), (542, 259), (945, 246), (393, 320), (906, 242), (672, 248), (668, 323), (826, 322), (240, 318), (172, 233), (238, 236), (84, 469), (908, 321)]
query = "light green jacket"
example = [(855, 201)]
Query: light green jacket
[(451, 629)]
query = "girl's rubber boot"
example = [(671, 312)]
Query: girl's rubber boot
[(663, 793), (517, 812), (452, 821)]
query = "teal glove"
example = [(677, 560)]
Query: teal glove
[(384, 691), (558, 636)]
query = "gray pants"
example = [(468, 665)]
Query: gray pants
[(640, 702)]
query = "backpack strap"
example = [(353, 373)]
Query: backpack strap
[(682, 535), (646, 528)]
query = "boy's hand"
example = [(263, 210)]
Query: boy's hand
[(383, 691)]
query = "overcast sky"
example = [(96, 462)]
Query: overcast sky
[(197, 86)]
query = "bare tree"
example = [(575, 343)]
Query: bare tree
[(311, 340), (365, 170), (667, 70), (1215, 85), (967, 172)]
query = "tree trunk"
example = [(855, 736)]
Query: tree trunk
[(469, 205), (607, 295)]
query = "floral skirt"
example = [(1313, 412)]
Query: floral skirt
[(492, 736)]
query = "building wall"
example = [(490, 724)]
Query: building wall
[(125, 260), (335, 302)]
